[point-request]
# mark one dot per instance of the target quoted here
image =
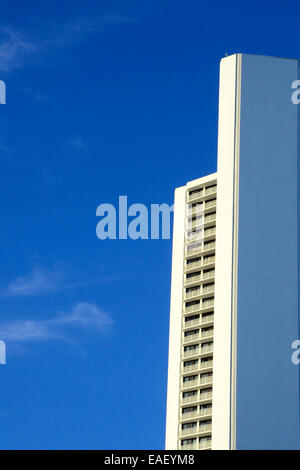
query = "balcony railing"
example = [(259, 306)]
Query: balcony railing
[(206, 365), (188, 431), (195, 430), (196, 195), (205, 396), (201, 192), (206, 349), (204, 303), (197, 446), (199, 264), (197, 382), (189, 338), (199, 291), (195, 322), (197, 351), (189, 415), (205, 334), (211, 190), (200, 277), (209, 204), (191, 399), (190, 368), (205, 412)]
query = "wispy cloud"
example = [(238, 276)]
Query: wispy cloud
[(39, 281), (42, 280), (83, 316), (15, 46), (78, 144)]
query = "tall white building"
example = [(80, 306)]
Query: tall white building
[(235, 272)]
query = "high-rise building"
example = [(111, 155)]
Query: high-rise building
[(235, 272)]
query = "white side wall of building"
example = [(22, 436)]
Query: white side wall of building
[(175, 319)]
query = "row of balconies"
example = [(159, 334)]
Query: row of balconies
[(199, 322), (200, 208), (197, 382), (201, 193), (199, 247), (202, 304), (195, 430), (196, 398), (197, 352), (200, 263), (195, 367), (200, 277), (196, 414), (200, 235), (197, 445), (201, 290)]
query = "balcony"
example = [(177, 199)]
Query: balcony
[(211, 190), (198, 247), (206, 349), (191, 353), (190, 384), (197, 446), (191, 338), (209, 218), (191, 399), (197, 351), (196, 398), (209, 333), (199, 264), (195, 195), (205, 412), (197, 383), (205, 396), (195, 430), (201, 193), (209, 231), (201, 290), (190, 368), (190, 415), (202, 304), (190, 323), (210, 204), (205, 365)]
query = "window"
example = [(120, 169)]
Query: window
[(190, 394), (205, 390), (206, 359), (191, 332), (193, 260), (205, 422), (191, 348), (191, 317), (189, 378), (189, 409), (186, 442), (193, 424), (190, 363)]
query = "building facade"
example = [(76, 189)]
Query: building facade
[(235, 272)]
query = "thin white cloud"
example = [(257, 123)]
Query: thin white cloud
[(38, 282), (83, 316), (15, 46), (78, 144), (42, 281)]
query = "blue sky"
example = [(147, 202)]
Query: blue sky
[(104, 99)]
